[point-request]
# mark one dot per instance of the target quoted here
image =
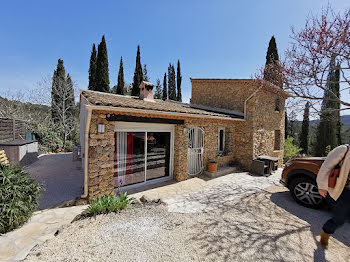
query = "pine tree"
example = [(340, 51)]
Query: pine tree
[(92, 68), (102, 72), (158, 91), (171, 83), (165, 91), (304, 134), (145, 73), (178, 82), (272, 69), (120, 85), (138, 75), (327, 129)]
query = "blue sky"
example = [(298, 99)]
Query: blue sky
[(217, 39)]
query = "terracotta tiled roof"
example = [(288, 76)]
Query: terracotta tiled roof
[(106, 99)]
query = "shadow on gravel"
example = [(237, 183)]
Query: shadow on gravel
[(316, 218), (253, 228)]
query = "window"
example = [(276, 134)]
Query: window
[(278, 104), (277, 145), (221, 140)]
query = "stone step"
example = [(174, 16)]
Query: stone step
[(221, 171)]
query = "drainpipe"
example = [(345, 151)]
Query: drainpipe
[(245, 102), (86, 152)]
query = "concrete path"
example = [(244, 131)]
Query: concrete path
[(61, 178), (15, 245)]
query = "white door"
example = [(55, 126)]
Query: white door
[(195, 150)]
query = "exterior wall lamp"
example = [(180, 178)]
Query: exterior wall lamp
[(101, 128)]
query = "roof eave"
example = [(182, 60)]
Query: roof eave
[(161, 113)]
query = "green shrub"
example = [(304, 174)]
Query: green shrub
[(19, 195), (46, 133), (290, 150), (108, 203)]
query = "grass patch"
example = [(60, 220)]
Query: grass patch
[(109, 203), (19, 197)]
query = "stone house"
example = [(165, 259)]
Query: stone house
[(130, 141)]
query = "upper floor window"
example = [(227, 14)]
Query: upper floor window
[(278, 104), (221, 140)]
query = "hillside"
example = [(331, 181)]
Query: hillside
[(21, 110), (344, 119)]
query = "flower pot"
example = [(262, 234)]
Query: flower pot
[(212, 167)]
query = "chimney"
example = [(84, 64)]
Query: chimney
[(146, 91)]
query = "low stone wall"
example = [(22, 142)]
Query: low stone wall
[(225, 160)]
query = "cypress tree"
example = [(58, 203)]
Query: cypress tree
[(327, 129), (120, 85), (138, 75), (58, 85), (62, 103), (165, 91), (291, 122), (158, 91), (102, 72), (272, 52), (92, 68), (145, 73), (171, 83), (272, 70), (286, 128), (304, 134), (178, 82)]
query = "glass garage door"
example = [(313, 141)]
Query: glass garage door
[(141, 156)]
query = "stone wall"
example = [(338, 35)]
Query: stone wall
[(101, 157), (266, 120), (255, 136), (244, 140), (238, 143), (222, 93)]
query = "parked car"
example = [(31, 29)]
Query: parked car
[(299, 176)]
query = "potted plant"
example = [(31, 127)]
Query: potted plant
[(212, 166)]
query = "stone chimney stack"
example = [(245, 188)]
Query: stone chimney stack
[(146, 91)]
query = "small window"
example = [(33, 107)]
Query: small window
[(278, 104), (221, 140), (277, 145)]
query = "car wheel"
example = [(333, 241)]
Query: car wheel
[(305, 192)]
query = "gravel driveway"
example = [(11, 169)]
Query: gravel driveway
[(225, 221), (61, 178)]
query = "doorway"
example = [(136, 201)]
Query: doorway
[(195, 150), (143, 153)]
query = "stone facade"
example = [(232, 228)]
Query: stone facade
[(256, 135), (101, 157), (245, 139), (222, 93), (268, 122)]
